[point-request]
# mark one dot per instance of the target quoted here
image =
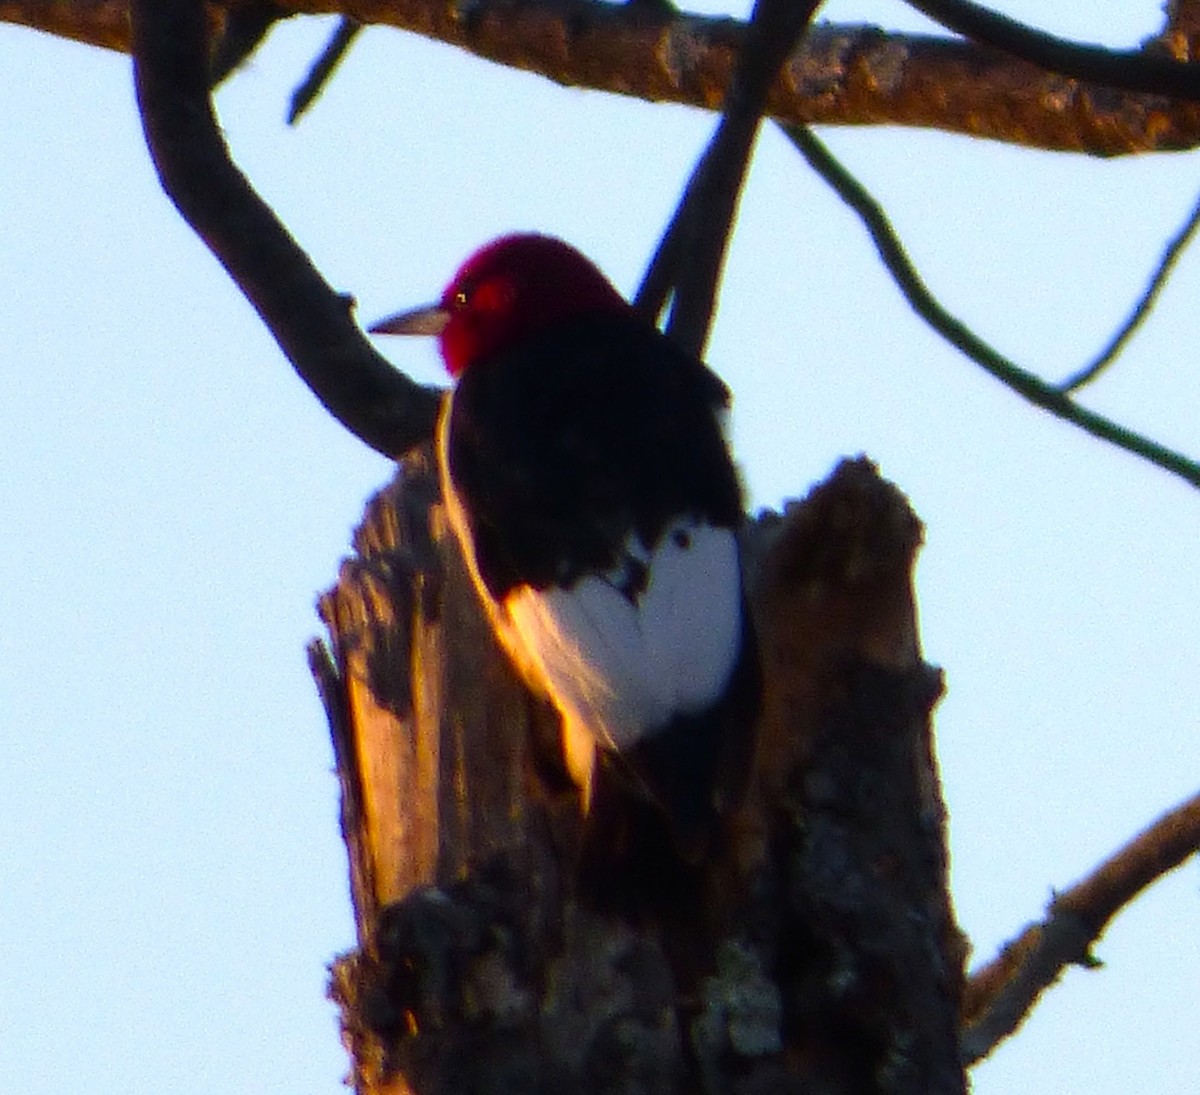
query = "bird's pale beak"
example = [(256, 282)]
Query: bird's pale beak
[(430, 320)]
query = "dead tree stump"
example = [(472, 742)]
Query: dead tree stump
[(817, 951)]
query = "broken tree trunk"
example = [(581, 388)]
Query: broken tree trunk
[(816, 951)]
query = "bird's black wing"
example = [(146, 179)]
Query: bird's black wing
[(597, 429)]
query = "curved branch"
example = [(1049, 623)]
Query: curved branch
[(953, 330), (1000, 996), (1141, 310), (1127, 70), (842, 74), (312, 324)]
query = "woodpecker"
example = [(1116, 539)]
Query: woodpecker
[(587, 479)]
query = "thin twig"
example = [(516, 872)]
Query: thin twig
[(921, 300), (313, 325), (999, 996), (244, 30), (323, 68), (691, 253), (658, 281), (1130, 70), (1141, 310)]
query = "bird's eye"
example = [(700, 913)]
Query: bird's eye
[(461, 298)]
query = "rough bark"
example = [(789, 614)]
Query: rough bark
[(816, 950), (842, 75)]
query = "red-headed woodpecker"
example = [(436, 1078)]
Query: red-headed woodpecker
[(586, 477)]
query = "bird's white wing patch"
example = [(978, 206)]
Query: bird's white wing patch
[(625, 667), (691, 613)]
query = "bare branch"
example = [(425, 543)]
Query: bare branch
[(323, 68), (312, 324), (1174, 250), (244, 30), (103, 23), (1130, 71), (922, 301), (693, 247), (843, 75), (1000, 996)]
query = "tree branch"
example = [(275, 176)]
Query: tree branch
[(103, 23), (843, 75), (312, 324), (1127, 70), (1000, 996), (323, 68), (1031, 387), (1171, 255), (244, 30), (691, 254)]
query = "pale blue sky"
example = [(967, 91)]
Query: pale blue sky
[(171, 878)]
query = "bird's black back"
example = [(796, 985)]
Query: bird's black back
[(561, 448)]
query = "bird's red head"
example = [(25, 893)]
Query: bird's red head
[(508, 291)]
